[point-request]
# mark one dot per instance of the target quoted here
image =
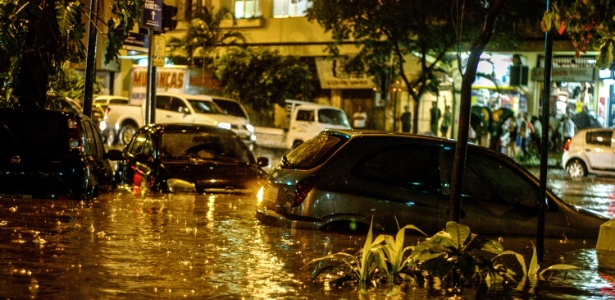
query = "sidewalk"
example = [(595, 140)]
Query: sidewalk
[(554, 160)]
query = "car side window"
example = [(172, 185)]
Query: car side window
[(163, 102), (98, 143), (408, 166), (89, 144), (602, 137), (177, 105), (487, 179), (305, 115), (139, 144)]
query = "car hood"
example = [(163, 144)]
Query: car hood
[(222, 118), (209, 176), (585, 222)]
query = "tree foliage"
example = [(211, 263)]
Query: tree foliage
[(262, 78), (204, 36), (397, 36), (38, 37), (590, 25)]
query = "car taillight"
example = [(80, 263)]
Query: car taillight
[(303, 188), (567, 144), (74, 135)]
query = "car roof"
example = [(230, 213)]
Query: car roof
[(353, 133), (190, 127)]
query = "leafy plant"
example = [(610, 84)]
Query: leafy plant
[(455, 253), (531, 272), (395, 251), (363, 267)]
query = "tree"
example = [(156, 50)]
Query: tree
[(203, 38), (415, 40), (38, 37), (262, 78), (590, 25)]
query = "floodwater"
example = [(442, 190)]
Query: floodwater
[(211, 247)]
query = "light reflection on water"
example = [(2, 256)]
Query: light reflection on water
[(210, 247)]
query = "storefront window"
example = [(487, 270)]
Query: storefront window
[(290, 8)]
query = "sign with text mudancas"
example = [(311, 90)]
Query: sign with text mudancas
[(152, 14)]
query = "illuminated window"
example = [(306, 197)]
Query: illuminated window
[(245, 9), (290, 8)]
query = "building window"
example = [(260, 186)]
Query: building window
[(245, 9), (290, 8)]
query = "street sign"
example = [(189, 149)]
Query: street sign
[(136, 41), (152, 14), (158, 53)]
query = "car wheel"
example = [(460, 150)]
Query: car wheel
[(126, 133), (576, 168)]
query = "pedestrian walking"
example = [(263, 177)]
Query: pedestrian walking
[(434, 118), (446, 121), (359, 118), (406, 119)]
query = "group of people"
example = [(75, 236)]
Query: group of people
[(526, 133), (359, 119), (435, 125)]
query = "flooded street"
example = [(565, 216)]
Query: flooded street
[(212, 247)]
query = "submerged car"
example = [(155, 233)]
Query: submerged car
[(590, 151), (51, 154), (341, 179), (189, 158)]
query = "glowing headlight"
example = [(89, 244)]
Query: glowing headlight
[(250, 128), (224, 125), (102, 125)]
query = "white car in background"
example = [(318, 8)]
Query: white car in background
[(590, 151)]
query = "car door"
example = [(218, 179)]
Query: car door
[(499, 198), (599, 149), (95, 151), (139, 163), (398, 184), (170, 109)]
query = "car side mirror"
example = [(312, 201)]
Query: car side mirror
[(262, 161), (114, 155)]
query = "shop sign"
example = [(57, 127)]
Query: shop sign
[(566, 74), (332, 76)]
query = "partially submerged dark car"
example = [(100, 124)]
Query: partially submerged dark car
[(51, 154), (189, 158), (341, 179)]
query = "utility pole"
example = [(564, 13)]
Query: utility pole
[(90, 63)]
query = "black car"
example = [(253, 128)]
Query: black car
[(51, 154), (344, 179), (189, 158)]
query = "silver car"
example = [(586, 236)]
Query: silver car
[(590, 151), (341, 179)]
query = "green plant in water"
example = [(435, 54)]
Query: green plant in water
[(454, 255), (395, 251), (368, 265), (531, 272)]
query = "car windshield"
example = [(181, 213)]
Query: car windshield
[(333, 117), (205, 107), (313, 152), (204, 145), (231, 107)]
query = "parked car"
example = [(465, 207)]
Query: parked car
[(100, 105), (189, 158), (342, 178), (590, 151), (51, 154)]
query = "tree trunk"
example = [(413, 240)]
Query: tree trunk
[(36, 64), (465, 106)]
